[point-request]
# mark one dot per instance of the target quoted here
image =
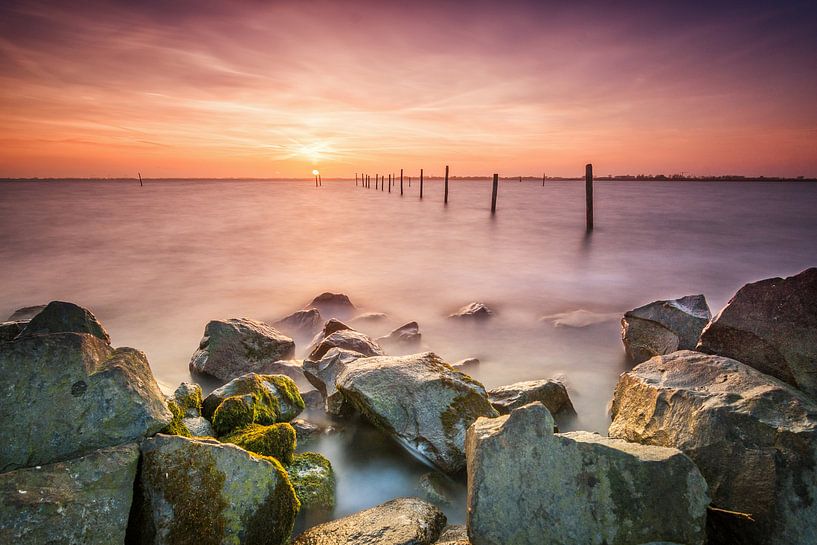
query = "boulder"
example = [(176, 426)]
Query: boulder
[(84, 500), (67, 394), (185, 406), (9, 330), (771, 325), (528, 486), (26, 313), (435, 487), (329, 327), (313, 399), (473, 311), (324, 372), (302, 323), (276, 440), (551, 393), (333, 305), (465, 363), (407, 335), (198, 426), (188, 397), (203, 491), (62, 317), (231, 348), (753, 437), (314, 481), (453, 534), (348, 339), (662, 327), (419, 400), (404, 521), (277, 392)]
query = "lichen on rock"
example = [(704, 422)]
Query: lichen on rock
[(312, 477), (276, 440)]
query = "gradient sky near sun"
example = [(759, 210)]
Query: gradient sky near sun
[(277, 89)]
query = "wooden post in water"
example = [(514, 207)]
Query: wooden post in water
[(316, 180), (445, 199), (376, 181), (543, 180), (140, 179), (520, 179), (382, 182), (421, 183), (588, 189), (493, 194), (389, 183), (320, 180), (401, 182)]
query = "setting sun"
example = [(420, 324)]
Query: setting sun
[(315, 172)]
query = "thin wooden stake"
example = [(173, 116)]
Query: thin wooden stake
[(421, 183), (320, 180), (543, 180), (140, 179), (401, 182), (389, 183), (588, 189), (493, 194), (376, 178), (445, 199)]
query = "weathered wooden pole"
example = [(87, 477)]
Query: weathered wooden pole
[(401, 182), (543, 180), (493, 194), (445, 199), (376, 181), (320, 180), (140, 179), (316, 180), (520, 179), (421, 183), (588, 189), (391, 179)]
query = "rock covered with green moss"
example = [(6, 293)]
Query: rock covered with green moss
[(276, 440), (528, 486), (275, 394), (68, 394), (403, 521), (203, 492), (420, 400), (83, 500), (313, 479), (234, 347)]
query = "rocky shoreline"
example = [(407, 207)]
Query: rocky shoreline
[(713, 436)]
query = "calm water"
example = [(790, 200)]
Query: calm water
[(156, 263)]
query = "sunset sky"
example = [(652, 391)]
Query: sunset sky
[(275, 89)]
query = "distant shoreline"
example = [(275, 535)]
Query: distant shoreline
[(654, 179)]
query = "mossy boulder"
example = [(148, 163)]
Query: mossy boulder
[(239, 411), (202, 492), (231, 348), (528, 486), (188, 396), (420, 400), (662, 327), (312, 477), (176, 426), (63, 317), (68, 394), (276, 440), (403, 521), (83, 500), (753, 436)]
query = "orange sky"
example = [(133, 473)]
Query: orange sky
[(275, 89)]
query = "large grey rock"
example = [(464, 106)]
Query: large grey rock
[(67, 394), (333, 305), (203, 491), (771, 325), (551, 393), (324, 372), (454, 534), (529, 486), (419, 400), (302, 323), (404, 521), (26, 313), (9, 330), (278, 394), (84, 500), (231, 348), (348, 339), (407, 335), (662, 327), (329, 327), (62, 317), (473, 311), (198, 426), (753, 437)]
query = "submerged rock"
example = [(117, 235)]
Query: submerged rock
[(302, 323), (231, 348), (771, 325), (203, 491), (434, 487), (419, 400), (579, 318), (551, 393), (67, 394), (62, 317), (407, 335), (404, 521), (465, 363), (348, 339), (84, 500), (324, 372), (662, 327), (371, 317), (577, 488), (314, 481), (753, 437), (26, 313), (473, 311), (333, 305)]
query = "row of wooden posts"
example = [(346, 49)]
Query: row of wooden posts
[(364, 180)]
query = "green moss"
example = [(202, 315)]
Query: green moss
[(192, 488), (274, 519), (235, 412), (289, 395), (189, 397), (314, 480), (277, 440), (176, 426)]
